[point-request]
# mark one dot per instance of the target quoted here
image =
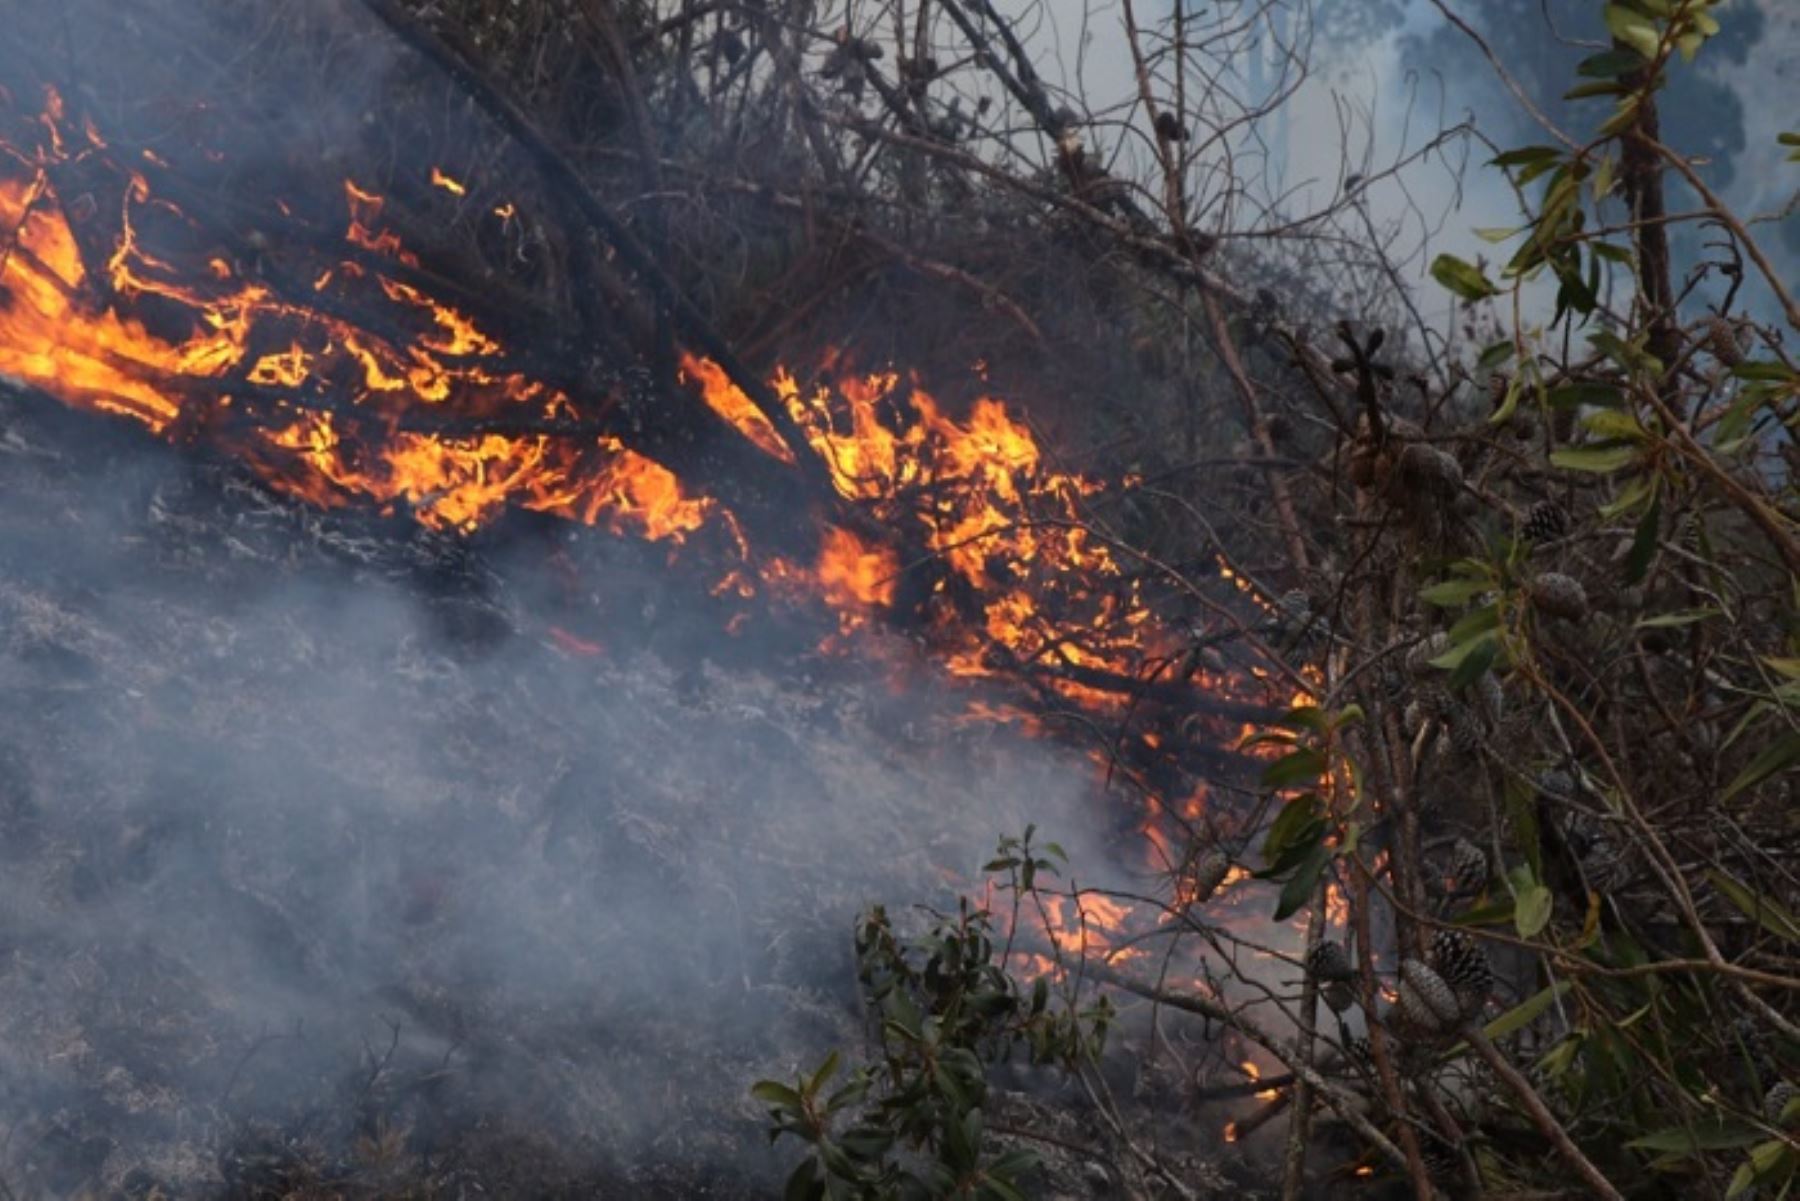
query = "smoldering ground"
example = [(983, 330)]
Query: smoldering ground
[(304, 855)]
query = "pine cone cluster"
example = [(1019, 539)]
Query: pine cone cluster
[(1464, 967), (1546, 522), (1426, 1000), (1468, 866)]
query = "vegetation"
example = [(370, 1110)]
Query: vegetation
[(1505, 565)]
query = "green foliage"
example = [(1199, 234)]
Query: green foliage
[(911, 1126)]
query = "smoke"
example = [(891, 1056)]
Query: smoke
[(323, 851), (322, 843), (270, 799)]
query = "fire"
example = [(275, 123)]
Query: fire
[(1254, 1072), (334, 412), (345, 388), (852, 573), (62, 330), (728, 401)]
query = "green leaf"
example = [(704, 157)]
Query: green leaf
[(1515, 388), (1600, 459), (1764, 371), (1453, 658), (1614, 423), (1765, 910), (773, 1092), (1532, 910), (1496, 354), (1464, 279), (1685, 617), (1597, 87), (1703, 1136), (1643, 543), (1495, 914), (1558, 1059), (1497, 234), (1305, 717), (804, 1184), (1635, 493), (1475, 621), (1298, 767), (825, 1072), (1602, 186), (1474, 665), (1300, 887), (1622, 118), (1570, 396), (1525, 1012), (1451, 593), (1611, 64), (1780, 755), (1297, 820), (1526, 155), (1634, 29)]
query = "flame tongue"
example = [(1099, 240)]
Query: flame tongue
[(347, 388)]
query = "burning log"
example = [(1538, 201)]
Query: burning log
[(574, 192)]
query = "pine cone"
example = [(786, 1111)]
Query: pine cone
[(1441, 1162), (1413, 719), (1721, 339), (1778, 1099), (1465, 730), (1428, 467), (1498, 386), (1339, 996), (1490, 700), (1418, 659), (1559, 595), (1209, 872), (1393, 684), (1464, 967), (1546, 522), (1438, 703), (1608, 867), (1426, 999), (1468, 866), (1556, 784), (1746, 1034), (1327, 961), (1294, 607)]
